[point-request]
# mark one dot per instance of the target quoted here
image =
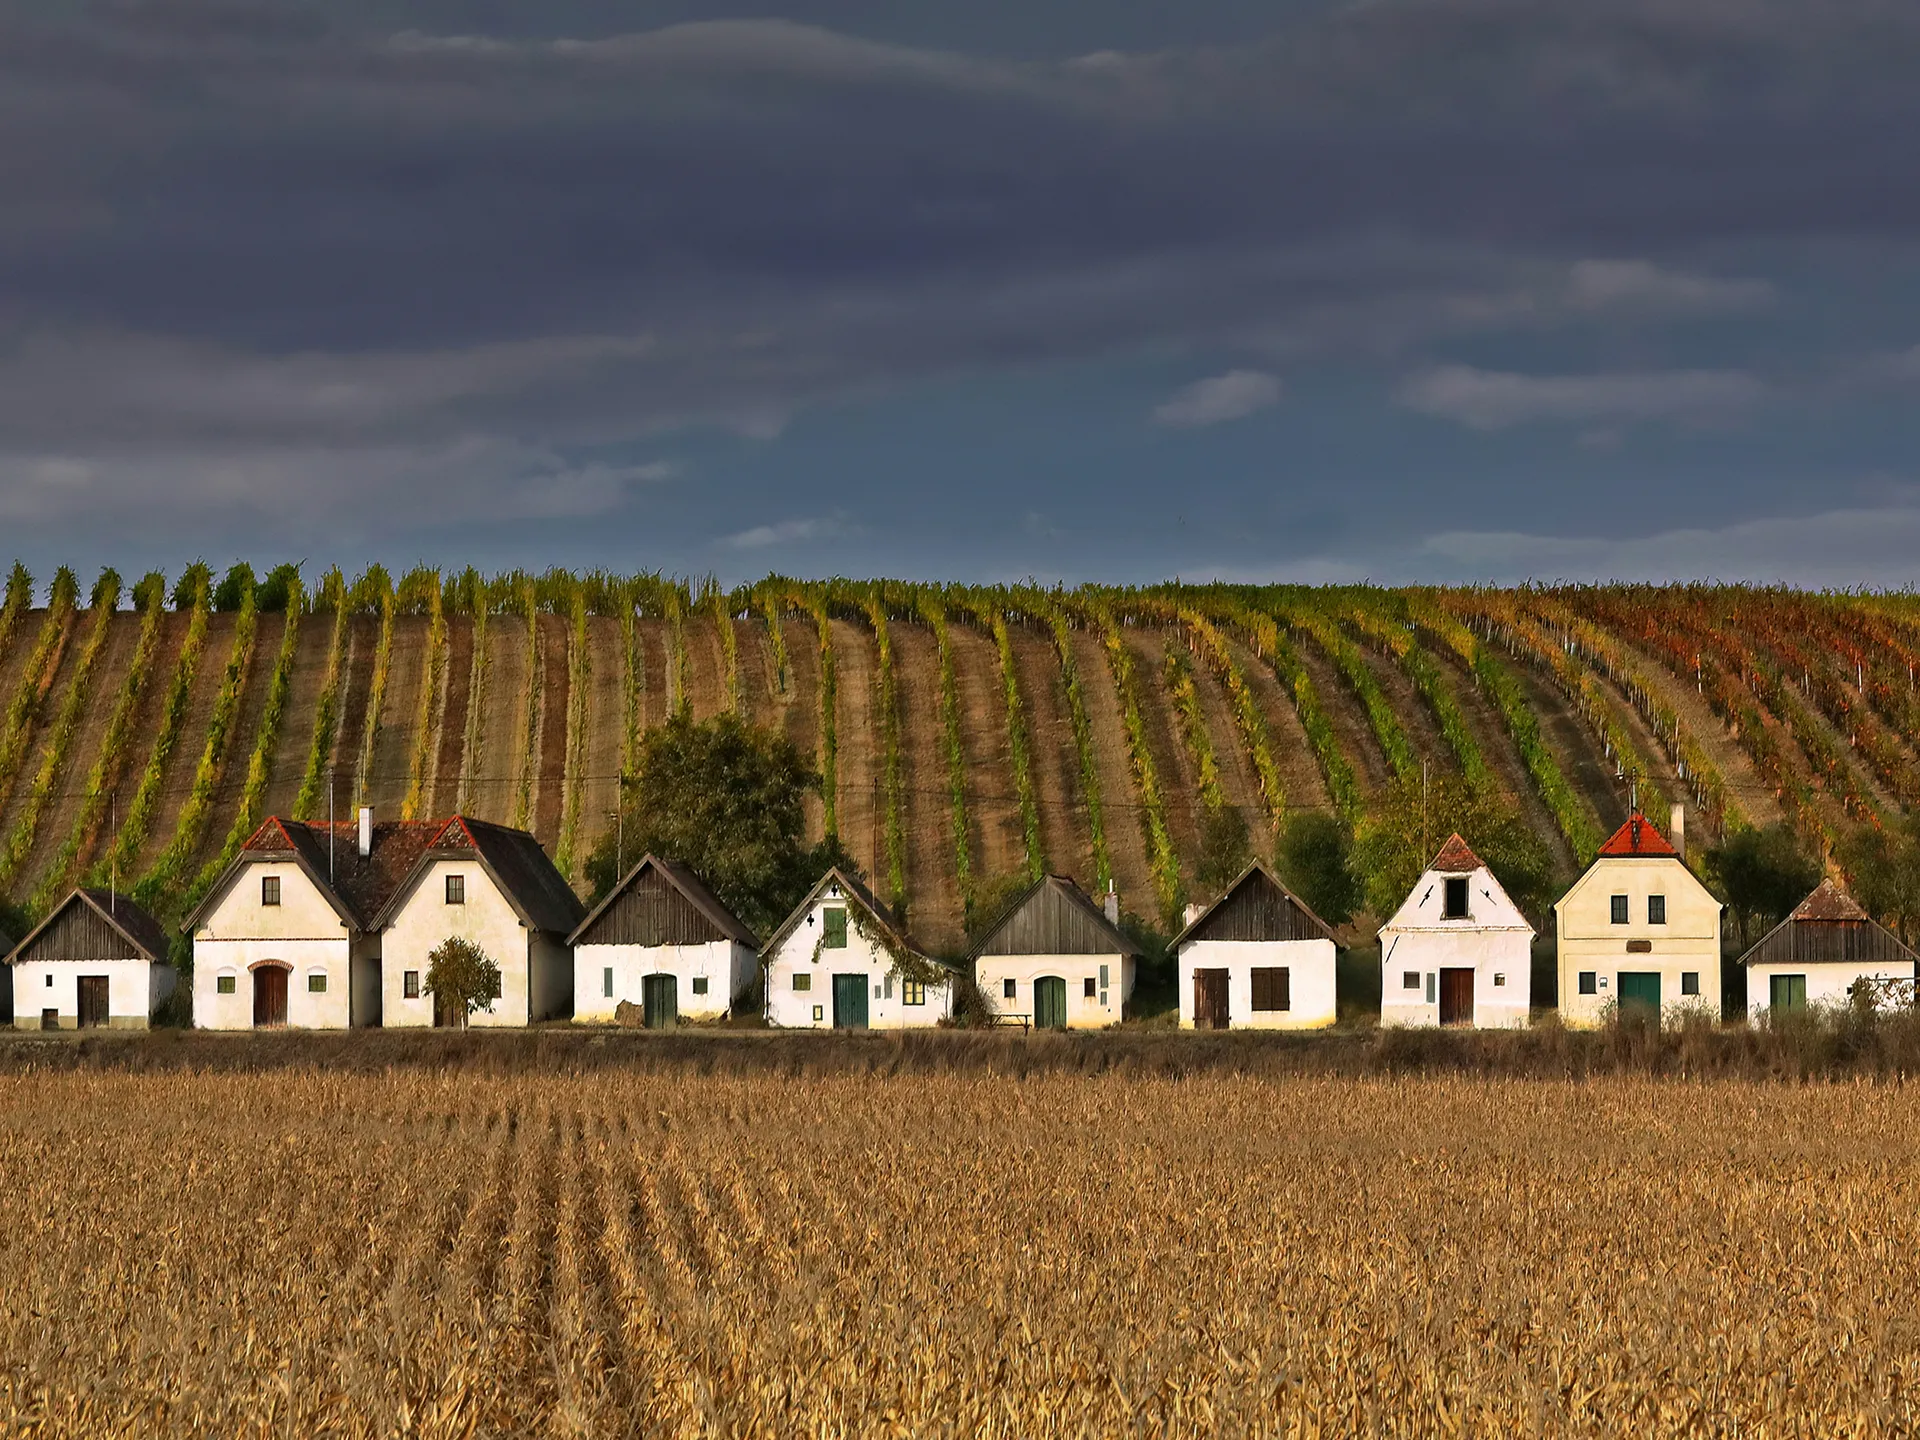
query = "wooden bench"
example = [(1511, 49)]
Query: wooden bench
[(1011, 1018)]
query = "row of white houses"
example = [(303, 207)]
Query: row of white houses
[(330, 927)]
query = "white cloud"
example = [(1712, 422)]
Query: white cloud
[(1498, 400), (786, 532), (1640, 284), (1232, 396)]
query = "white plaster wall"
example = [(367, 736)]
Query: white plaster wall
[(1310, 982), (213, 958), (135, 989), (302, 914), (1827, 982), (726, 965), (1505, 956), (425, 919), (1590, 941), (991, 972), (886, 1007)]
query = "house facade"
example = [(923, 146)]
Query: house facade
[(496, 887), (98, 961), (1056, 960), (661, 940), (1457, 951), (1637, 932), (1817, 955), (1257, 959), (842, 961)]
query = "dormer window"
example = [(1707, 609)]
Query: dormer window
[(1456, 901), (269, 889), (456, 889)]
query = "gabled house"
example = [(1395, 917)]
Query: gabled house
[(841, 959), (1638, 931), (1819, 952), (1457, 951), (1056, 960), (287, 935), (496, 887), (664, 941), (1258, 958), (98, 961)]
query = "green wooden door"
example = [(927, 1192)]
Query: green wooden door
[(850, 1002), (660, 998), (1640, 992), (1787, 993), (1050, 1003)]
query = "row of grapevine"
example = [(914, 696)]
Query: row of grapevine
[(1352, 665), (1263, 636), (479, 678), (1397, 640), (779, 671), (1176, 677), (195, 591), (679, 682), (932, 609), (432, 687), (1161, 856), (1212, 647), (100, 781), (253, 794), (385, 599), (24, 709), (66, 725), (536, 696), (19, 600), (1055, 616), (633, 693), (722, 608), (1020, 746), (326, 713), (894, 780), (579, 715)]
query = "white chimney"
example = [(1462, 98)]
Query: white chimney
[(1113, 903), (1678, 829), (366, 830), (1193, 912)]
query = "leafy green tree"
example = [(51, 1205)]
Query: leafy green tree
[(1410, 822), (1315, 862), (1224, 848), (461, 977), (1883, 871), (727, 799), (1761, 874)]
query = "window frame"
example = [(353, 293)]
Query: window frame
[(1656, 909), (802, 981), (1447, 910), (1271, 988), (1588, 982), (456, 889), (226, 984), (316, 982), (606, 982), (1620, 909), (1689, 982), (833, 928), (912, 992), (1409, 979), (409, 984), (1009, 989), (699, 983), (270, 891)]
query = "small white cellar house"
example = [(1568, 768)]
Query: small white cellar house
[(840, 960), (1256, 959), (1819, 953), (98, 961), (1457, 951), (662, 940), (1056, 961)]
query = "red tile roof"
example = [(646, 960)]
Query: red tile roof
[(1829, 902), (1455, 858), (1639, 836)]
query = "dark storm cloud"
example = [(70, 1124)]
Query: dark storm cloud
[(281, 235)]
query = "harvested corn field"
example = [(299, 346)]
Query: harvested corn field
[(428, 1253)]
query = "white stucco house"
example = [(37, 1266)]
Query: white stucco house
[(98, 961), (496, 887), (841, 960), (1057, 961), (1258, 958), (1637, 932), (1457, 951), (664, 941), (1819, 952), (286, 936)]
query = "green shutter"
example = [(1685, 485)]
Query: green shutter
[(834, 923)]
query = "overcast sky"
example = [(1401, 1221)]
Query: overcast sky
[(1255, 289)]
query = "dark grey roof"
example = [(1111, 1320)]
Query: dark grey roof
[(1829, 928), (856, 892), (360, 885), (690, 885), (1278, 918), (1054, 916), (537, 891), (130, 920)]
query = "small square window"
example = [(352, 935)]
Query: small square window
[(1272, 987), (699, 984), (49, 980), (316, 984), (1409, 979), (606, 983), (1499, 979), (456, 889), (269, 889), (802, 981), (912, 992), (1619, 909), (410, 985), (834, 924), (1088, 989), (1689, 982), (1009, 989), (223, 985), (1656, 909), (1589, 982), (1456, 898), (498, 981)]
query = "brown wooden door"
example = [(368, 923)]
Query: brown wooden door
[(269, 996), (1456, 996), (1210, 1000), (93, 1001)]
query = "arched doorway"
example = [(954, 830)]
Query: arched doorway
[(1050, 1003), (269, 993)]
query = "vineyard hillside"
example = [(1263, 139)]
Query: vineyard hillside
[(966, 736)]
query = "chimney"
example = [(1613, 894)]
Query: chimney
[(1193, 912), (1677, 830), (366, 830), (1113, 904)]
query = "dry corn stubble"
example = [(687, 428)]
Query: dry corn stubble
[(420, 1254)]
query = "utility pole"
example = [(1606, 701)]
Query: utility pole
[(330, 867)]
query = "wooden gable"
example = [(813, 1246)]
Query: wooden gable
[(1055, 918), (650, 910), (1258, 908), (78, 932)]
